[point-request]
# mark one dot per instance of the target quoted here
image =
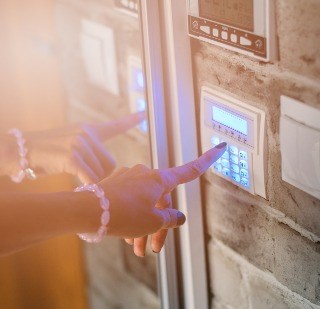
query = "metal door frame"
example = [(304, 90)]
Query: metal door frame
[(172, 117)]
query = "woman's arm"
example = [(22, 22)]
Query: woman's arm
[(30, 218), (78, 149), (136, 195)]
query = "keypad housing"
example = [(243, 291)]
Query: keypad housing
[(234, 164)]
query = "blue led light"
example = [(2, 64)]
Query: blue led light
[(140, 79), (141, 104), (229, 120)]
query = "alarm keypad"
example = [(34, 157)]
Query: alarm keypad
[(233, 163)]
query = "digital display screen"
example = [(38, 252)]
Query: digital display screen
[(229, 120), (237, 13)]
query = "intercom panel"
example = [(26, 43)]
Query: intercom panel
[(242, 126), (245, 26)]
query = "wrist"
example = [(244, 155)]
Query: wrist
[(86, 212), (98, 192)]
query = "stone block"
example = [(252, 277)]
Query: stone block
[(233, 218), (298, 32), (264, 295), (297, 263), (226, 280)]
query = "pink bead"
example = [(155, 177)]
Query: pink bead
[(104, 203), (23, 163), (102, 230), (105, 218)]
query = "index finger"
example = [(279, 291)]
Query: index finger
[(192, 170), (112, 128)]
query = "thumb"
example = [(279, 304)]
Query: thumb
[(171, 218)]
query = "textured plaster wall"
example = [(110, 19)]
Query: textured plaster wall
[(265, 253)]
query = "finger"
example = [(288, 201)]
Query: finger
[(110, 129), (171, 218), (165, 201), (105, 158), (91, 159), (192, 170), (158, 239), (120, 171), (129, 241), (80, 168), (139, 246)]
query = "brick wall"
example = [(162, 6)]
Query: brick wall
[(265, 253), (116, 277)]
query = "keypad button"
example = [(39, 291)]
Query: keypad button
[(218, 161), (215, 140), (234, 159), (217, 167), (243, 155), (243, 164), (225, 155), (244, 173), (225, 163), (235, 177), (235, 168), (226, 172), (233, 150), (245, 182)]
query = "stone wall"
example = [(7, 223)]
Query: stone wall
[(265, 253)]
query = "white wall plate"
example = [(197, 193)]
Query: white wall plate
[(244, 26), (99, 55)]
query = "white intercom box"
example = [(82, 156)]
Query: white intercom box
[(244, 26), (242, 126), (99, 55), (300, 145)]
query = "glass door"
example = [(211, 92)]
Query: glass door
[(103, 64)]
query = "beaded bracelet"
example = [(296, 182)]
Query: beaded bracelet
[(105, 217), (24, 164)]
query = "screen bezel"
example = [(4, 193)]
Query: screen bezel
[(238, 137), (214, 106), (259, 16)]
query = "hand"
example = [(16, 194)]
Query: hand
[(139, 199), (77, 149)]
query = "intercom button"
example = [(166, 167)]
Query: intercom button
[(245, 42), (234, 38), (244, 164), (243, 155), (224, 35), (245, 182), (235, 177), (226, 172), (215, 140), (205, 29), (215, 32), (234, 150), (217, 167), (244, 173), (234, 159), (225, 163), (225, 155), (235, 168)]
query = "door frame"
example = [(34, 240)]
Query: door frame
[(170, 94)]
